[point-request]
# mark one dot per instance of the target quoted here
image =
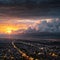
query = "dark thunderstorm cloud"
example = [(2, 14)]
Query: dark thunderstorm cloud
[(32, 13), (29, 2), (30, 8)]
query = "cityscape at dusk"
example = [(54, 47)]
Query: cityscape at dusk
[(29, 30)]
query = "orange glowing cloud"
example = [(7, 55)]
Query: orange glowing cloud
[(14, 25)]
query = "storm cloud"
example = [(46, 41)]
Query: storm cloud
[(29, 2), (46, 25), (30, 8)]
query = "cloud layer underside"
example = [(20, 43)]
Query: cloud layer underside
[(30, 8), (27, 13), (31, 3)]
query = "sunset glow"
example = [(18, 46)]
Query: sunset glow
[(11, 28), (9, 32)]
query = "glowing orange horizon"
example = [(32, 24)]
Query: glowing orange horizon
[(10, 28), (8, 31)]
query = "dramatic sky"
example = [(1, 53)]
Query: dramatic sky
[(29, 16)]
